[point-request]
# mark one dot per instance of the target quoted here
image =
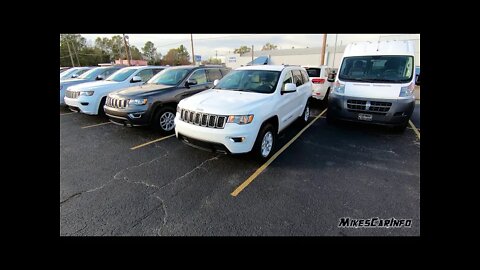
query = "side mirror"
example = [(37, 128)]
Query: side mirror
[(100, 77), (289, 88), (417, 80), (136, 79), (215, 82), (74, 75), (191, 82)]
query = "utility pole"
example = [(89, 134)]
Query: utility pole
[(252, 55), (335, 50), (70, 52), (322, 61), (126, 49), (76, 54), (193, 52)]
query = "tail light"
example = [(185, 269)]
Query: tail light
[(318, 80)]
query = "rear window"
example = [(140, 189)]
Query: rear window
[(313, 72)]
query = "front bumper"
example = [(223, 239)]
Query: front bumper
[(134, 116), (83, 104), (398, 114), (218, 140)]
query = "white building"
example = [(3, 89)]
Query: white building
[(308, 56)]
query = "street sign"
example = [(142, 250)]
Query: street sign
[(198, 58)]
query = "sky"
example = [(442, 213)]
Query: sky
[(208, 45)]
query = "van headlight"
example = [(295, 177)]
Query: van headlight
[(407, 91), (240, 119), (86, 93), (339, 88), (141, 101)]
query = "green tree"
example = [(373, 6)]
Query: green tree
[(77, 43), (212, 61), (136, 54), (150, 52), (242, 50), (269, 46), (175, 57)]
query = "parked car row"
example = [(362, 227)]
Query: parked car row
[(240, 111)]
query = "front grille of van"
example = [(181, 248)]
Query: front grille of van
[(375, 107), (203, 119)]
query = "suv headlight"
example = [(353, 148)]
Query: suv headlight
[(407, 91), (240, 119), (142, 101), (339, 88), (86, 93)]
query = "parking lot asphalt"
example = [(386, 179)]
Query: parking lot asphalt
[(168, 188)]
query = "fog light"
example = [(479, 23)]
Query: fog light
[(237, 139), (135, 115)]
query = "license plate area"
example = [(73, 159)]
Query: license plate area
[(364, 117)]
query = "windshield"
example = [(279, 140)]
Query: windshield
[(91, 74), (170, 76), (258, 81), (385, 68), (121, 75)]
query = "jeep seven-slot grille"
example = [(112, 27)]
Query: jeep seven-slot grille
[(116, 103), (368, 106), (72, 94), (203, 119)]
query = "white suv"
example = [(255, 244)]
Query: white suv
[(245, 110), (320, 83), (89, 98)]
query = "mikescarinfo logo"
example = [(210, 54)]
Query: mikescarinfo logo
[(375, 222)]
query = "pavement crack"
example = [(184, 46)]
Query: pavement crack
[(70, 197), (82, 192)]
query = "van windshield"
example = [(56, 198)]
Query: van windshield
[(384, 68)]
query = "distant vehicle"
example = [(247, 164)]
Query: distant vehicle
[(154, 103), (246, 110), (94, 74), (73, 72), (89, 98), (319, 78), (375, 84)]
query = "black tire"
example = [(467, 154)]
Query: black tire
[(165, 112), (331, 120), (307, 109), (257, 147), (325, 99), (101, 111)]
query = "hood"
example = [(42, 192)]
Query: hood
[(94, 85), (372, 90), (224, 102), (70, 82), (144, 90)]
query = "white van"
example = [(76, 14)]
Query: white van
[(375, 84)]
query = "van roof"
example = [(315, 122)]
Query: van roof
[(395, 47)]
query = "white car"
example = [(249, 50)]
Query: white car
[(320, 83), (245, 110), (89, 98)]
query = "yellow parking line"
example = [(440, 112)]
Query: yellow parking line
[(154, 141), (97, 125), (265, 165), (67, 113), (414, 129)]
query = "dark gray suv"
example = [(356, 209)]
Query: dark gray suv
[(155, 102)]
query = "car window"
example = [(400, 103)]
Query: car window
[(145, 74), (121, 75), (297, 77), (305, 75), (170, 76), (288, 79), (213, 74), (225, 71), (313, 72), (109, 72), (199, 76)]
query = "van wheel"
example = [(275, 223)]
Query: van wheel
[(101, 111), (266, 139), (163, 120)]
